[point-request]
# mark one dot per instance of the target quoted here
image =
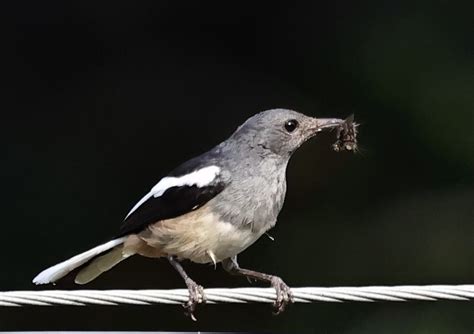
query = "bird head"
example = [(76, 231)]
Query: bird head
[(282, 131)]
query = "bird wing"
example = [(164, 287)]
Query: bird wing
[(174, 196)]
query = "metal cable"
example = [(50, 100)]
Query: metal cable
[(237, 295)]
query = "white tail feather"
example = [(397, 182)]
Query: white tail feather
[(60, 270), (100, 265)]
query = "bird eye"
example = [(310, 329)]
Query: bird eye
[(291, 125)]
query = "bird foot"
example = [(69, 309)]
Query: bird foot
[(196, 296), (283, 295)]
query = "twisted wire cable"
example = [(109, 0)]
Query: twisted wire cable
[(403, 293)]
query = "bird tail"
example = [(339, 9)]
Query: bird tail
[(97, 266)]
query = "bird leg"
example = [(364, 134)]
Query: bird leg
[(283, 292), (196, 292)]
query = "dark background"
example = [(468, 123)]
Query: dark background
[(106, 99)]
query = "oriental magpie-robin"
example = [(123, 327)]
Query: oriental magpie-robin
[(212, 207)]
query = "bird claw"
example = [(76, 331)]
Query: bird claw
[(284, 295), (196, 296)]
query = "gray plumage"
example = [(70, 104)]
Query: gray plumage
[(252, 164), (254, 160)]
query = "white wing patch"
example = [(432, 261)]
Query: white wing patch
[(200, 178)]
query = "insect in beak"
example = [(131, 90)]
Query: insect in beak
[(346, 132)]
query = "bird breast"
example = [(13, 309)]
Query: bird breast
[(201, 236)]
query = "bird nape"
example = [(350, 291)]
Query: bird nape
[(214, 206)]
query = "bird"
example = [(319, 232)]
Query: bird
[(212, 207)]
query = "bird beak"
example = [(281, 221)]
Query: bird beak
[(320, 124), (346, 131)]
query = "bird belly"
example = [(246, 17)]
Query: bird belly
[(200, 236)]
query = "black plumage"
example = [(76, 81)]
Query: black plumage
[(174, 202)]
